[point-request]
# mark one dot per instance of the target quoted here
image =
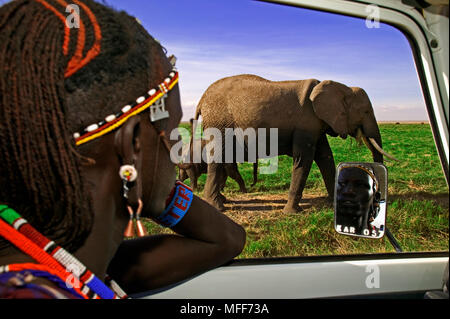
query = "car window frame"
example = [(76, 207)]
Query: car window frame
[(413, 26)]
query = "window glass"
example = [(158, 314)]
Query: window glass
[(217, 39)]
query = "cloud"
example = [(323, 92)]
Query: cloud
[(393, 88), (401, 112)]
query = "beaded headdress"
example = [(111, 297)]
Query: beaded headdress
[(153, 99), (367, 170)]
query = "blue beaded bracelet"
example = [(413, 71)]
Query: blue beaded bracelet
[(178, 206)]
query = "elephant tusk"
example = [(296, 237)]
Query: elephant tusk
[(366, 142), (379, 149)]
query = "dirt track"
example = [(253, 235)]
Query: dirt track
[(244, 208)]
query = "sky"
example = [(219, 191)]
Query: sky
[(213, 39)]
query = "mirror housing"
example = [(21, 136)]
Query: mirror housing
[(360, 199)]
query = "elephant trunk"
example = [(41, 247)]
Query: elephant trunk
[(371, 136), (369, 129), (187, 165)]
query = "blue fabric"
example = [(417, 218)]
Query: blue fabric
[(13, 285)]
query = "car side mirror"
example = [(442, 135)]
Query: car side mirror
[(360, 199)]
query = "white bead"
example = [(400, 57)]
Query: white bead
[(172, 74), (128, 173), (76, 135), (110, 118), (92, 127), (167, 80), (163, 88), (140, 100), (151, 92), (125, 109)]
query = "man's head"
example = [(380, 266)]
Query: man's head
[(54, 82), (356, 191)]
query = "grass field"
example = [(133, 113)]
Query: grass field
[(417, 213)]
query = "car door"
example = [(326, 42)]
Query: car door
[(367, 274)]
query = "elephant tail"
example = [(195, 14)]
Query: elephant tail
[(198, 112)]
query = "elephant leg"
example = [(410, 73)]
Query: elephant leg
[(325, 161), (233, 172), (303, 156), (214, 182), (193, 178), (223, 183), (255, 173)]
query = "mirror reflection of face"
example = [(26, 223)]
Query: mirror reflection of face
[(355, 193), (360, 202)]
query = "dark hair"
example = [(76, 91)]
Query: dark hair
[(41, 108)]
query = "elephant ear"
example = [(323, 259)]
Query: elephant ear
[(328, 99)]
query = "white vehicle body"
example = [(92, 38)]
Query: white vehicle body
[(370, 275)]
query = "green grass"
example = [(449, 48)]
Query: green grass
[(413, 144), (417, 215), (417, 225)]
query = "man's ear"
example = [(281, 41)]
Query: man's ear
[(377, 197), (128, 148)]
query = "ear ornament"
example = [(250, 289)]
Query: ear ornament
[(128, 174), (135, 219)]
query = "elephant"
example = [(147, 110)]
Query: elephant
[(194, 170), (303, 111)]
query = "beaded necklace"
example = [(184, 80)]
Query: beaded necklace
[(52, 258), (24, 274)]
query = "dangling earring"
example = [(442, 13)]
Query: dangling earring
[(141, 231), (128, 174), (129, 231)]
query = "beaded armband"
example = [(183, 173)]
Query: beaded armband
[(179, 204)]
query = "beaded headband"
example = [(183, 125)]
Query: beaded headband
[(367, 170), (154, 99)]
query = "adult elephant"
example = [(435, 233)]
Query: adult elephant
[(303, 111)]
